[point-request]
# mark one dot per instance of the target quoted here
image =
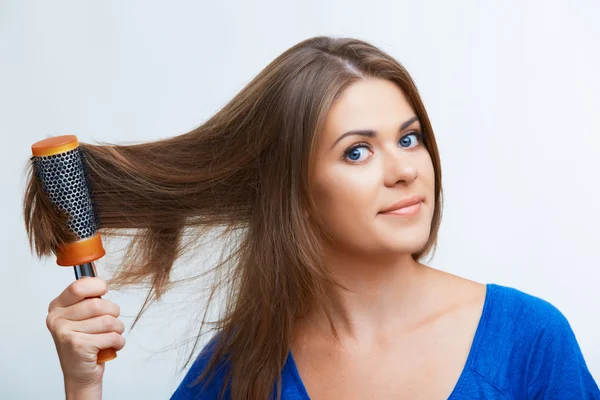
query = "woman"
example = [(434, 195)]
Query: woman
[(325, 173)]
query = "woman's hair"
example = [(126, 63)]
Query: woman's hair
[(245, 172)]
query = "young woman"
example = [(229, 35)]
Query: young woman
[(325, 173)]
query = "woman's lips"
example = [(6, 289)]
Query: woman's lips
[(406, 211)]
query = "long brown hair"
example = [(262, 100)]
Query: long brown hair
[(246, 172)]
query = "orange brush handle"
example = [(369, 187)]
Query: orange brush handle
[(105, 355)]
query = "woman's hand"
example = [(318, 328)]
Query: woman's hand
[(81, 324)]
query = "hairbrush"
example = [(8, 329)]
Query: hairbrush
[(59, 165)]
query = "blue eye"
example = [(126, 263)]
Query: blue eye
[(354, 153), (357, 153), (406, 141)]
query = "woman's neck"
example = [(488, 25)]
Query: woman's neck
[(383, 295)]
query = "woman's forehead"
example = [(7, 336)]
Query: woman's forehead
[(373, 103)]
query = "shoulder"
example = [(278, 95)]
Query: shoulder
[(191, 387), (526, 320), (530, 314), (527, 343), (519, 320)]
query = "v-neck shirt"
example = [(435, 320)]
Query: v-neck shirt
[(523, 348)]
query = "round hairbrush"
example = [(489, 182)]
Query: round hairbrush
[(59, 166)]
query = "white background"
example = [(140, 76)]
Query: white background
[(512, 89)]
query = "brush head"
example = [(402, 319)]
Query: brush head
[(59, 166)]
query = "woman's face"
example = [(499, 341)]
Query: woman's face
[(358, 176)]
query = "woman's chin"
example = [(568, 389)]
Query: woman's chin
[(404, 244)]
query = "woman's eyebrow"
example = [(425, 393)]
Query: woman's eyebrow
[(371, 133)]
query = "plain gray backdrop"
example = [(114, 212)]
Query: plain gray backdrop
[(511, 87)]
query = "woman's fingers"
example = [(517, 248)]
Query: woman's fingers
[(100, 324), (79, 290), (89, 308)]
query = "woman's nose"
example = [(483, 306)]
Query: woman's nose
[(399, 168)]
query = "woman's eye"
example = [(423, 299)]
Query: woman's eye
[(411, 140), (357, 153)]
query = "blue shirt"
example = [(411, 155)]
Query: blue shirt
[(524, 348)]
